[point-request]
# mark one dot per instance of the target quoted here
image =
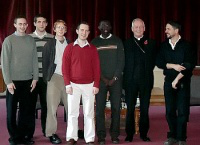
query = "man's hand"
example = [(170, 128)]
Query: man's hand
[(95, 90), (174, 83), (106, 81), (69, 90), (33, 85), (176, 67), (176, 80), (111, 82), (11, 88), (179, 68)]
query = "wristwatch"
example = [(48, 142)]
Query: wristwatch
[(115, 78)]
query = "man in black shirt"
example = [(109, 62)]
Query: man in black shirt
[(177, 61)]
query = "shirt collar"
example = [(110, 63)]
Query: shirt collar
[(42, 36), (170, 42), (58, 40), (76, 43), (106, 37)]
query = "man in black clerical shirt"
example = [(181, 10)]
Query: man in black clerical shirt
[(138, 78)]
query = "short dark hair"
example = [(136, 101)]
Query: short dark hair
[(83, 22), (19, 17), (38, 16), (104, 21), (175, 25)]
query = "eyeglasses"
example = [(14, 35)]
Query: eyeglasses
[(60, 27)]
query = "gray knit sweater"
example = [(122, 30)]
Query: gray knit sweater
[(19, 59)]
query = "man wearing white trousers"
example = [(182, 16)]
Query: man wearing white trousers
[(81, 73)]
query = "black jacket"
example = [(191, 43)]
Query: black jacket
[(48, 54), (150, 55)]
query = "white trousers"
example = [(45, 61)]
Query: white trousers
[(86, 91)]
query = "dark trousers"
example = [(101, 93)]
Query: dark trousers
[(115, 99), (177, 109), (41, 91), (20, 125), (132, 91)]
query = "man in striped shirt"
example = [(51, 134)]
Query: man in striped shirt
[(41, 38)]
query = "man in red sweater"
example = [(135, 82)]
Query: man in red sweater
[(81, 73)]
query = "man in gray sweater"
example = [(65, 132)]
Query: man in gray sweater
[(20, 73)]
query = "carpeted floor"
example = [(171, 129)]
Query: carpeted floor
[(157, 132)]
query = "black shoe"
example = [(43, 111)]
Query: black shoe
[(170, 141), (101, 141), (54, 139), (146, 139), (115, 140), (28, 140), (12, 143), (129, 138), (81, 134)]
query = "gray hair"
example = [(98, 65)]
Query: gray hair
[(137, 19)]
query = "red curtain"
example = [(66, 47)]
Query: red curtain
[(155, 13)]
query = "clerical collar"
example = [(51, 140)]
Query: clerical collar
[(139, 38), (106, 37), (40, 36)]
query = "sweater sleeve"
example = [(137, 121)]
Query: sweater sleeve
[(96, 68), (160, 61), (66, 64), (35, 62), (189, 61), (6, 60), (120, 59)]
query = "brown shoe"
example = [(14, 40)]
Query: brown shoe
[(71, 142)]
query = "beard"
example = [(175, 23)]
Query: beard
[(169, 36)]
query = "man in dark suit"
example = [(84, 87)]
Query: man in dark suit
[(138, 78)]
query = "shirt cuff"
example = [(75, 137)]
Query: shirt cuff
[(68, 86)]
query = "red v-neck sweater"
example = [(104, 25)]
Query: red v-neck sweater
[(81, 65)]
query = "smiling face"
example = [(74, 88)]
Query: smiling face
[(105, 28), (83, 32), (60, 29), (138, 28), (21, 26), (170, 31), (40, 24)]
